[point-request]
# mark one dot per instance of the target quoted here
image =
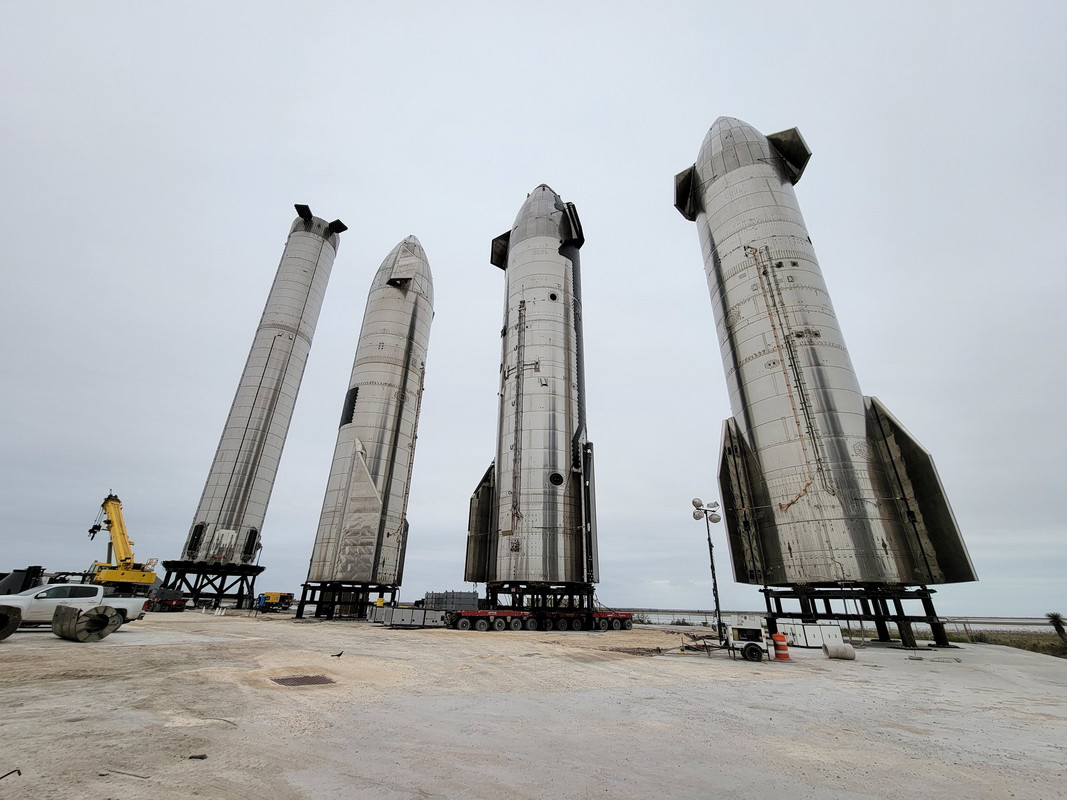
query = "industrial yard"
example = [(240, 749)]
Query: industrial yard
[(184, 705)]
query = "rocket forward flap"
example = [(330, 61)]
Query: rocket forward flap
[(935, 537), (685, 198), (362, 516), (793, 150), (498, 254)]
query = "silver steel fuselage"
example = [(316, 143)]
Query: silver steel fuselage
[(813, 492), (226, 528), (362, 530), (537, 506)]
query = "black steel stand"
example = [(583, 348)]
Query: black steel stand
[(877, 603), (343, 599), (198, 580)]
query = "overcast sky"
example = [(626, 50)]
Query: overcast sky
[(152, 154)]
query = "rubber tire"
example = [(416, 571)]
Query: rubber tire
[(531, 624), (752, 652), (616, 624), (601, 624), (463, 624), (499, 624), (562, 624), (515, 624), (482, 624), (10, 619), (627, 624), (577, 624)]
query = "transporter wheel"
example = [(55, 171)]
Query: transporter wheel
[(562, 624), (752, 652), (463, 624), (616, 624), (155, 607), (576, 624), (627, 624), (499, 624), (531, 624), (602, 624), (482, 624), (515, 624)]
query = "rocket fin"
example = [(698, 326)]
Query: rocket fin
[(686, 197), (739, 484), (481, 529), (360, 520), (936, 540), (498, 254), (793, 150)]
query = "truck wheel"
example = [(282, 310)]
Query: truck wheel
[(602, 624), (531, 624), (752, 652), (515, 624), (463, 624), (562, 624), (499, 624), (616, 624), (482, 624), (576, 624), (627, 624)]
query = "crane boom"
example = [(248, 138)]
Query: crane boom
[(124, 570)]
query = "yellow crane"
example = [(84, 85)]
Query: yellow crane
[(120, 568)]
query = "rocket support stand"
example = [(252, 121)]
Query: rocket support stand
[(343, 599), (199, 580), (871, 603)]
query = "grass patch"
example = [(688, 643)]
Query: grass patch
[(1048, 644)]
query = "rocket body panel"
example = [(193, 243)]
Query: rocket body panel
[(233, 506), (539, 525), (362, 528), (808, 497)]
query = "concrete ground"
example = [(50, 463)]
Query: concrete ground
[(450, 714)]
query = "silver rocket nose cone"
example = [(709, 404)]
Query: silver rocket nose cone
[(540, 215), (732, 143), (735, 142), (406, 267)]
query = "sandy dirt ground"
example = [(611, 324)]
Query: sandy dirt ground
[(448, 714)]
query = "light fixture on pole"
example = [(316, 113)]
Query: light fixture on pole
[(708, 512)]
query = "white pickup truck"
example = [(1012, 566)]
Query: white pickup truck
[(39, 603)]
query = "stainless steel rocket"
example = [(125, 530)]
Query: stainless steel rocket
[(820, 484), (226, 528), (532, 517), (363, 527)]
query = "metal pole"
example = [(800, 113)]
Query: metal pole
[(714, 581)]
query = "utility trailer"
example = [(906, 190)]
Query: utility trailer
[(500, 619)]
